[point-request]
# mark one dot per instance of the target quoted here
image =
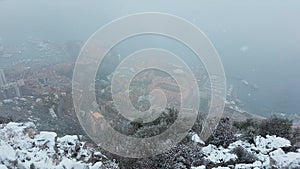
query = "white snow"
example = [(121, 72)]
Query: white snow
[(218, 155), (22, 146), (267, 151), (221, 168), (8, 152), (97, 165), (270, 143), (256, 164), (282, 159), (199, 167), (197, 139), (69, 163), (67, 138), (3, 166)]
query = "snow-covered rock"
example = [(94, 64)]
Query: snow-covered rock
[(197, 139), (218, 155), (221, 168), (265, 145), (70, 163), (199, 167), (255, 165), (243, 144), (267, 150), (97, 165), (3, 166), (7, 153), (280, 159), (21, 146)]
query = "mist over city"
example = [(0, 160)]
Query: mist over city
[(156, 84)]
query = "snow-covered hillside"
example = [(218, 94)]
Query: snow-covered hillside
[(22, 146)]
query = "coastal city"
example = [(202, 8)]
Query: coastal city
[(28, 84), (38, 89)]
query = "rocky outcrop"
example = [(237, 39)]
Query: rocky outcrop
[(22, 146), (266, 152)]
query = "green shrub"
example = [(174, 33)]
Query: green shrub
[(271, 126), (249, 129), (223, 135), (276, 126), (163, 122)]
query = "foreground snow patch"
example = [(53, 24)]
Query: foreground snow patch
[(282, 159), (3, 166), (265, 145), (7, 153), (218, 155), (196, 139), (21, 146), (267, 151)]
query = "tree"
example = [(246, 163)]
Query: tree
[(223, 135)]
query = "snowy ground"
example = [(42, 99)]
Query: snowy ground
[(268, 153), (22, 146)]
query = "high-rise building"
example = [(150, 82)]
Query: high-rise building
[(2, 78)]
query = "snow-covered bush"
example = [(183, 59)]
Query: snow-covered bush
[(182, 156)]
